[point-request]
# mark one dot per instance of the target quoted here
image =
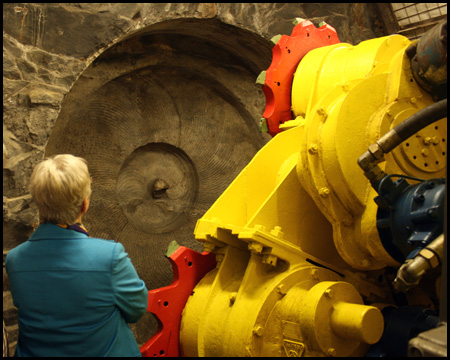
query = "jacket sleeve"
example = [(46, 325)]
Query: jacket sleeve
[(130, 292)]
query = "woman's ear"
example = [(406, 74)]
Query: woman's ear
[(85, 206)]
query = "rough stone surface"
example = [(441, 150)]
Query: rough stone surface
[(54, 53)]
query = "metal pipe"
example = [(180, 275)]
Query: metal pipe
[(411, 272)]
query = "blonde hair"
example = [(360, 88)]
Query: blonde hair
[(59, 185)]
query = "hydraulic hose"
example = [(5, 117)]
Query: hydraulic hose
[(396, 136), (413, 124)]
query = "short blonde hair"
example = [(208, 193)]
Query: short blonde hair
[(59, 185)]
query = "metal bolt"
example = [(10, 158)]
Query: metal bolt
[(258, 330), (315, 274), (427, 140), (329, 293), (232, 297), (321, 111), (413, 100), (332, 351), (282, 289), (255, 247), (313, 149), (425, 152), (276, 231), (435, 140), (324, 192), (208, 246)]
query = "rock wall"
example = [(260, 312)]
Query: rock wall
[(53, 53)]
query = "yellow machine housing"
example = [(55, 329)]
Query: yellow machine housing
[(300, 266)]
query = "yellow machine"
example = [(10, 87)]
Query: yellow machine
[(306, 259)]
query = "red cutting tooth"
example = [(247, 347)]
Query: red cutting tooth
[(286, 55), (167, 303)]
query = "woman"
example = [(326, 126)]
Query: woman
[(74, 294)]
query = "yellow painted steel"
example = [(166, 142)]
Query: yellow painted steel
[(299, 257), (351, 96)]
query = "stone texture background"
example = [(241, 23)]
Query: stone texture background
[(47, 47)]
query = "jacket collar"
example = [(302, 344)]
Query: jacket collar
[(49, 231)]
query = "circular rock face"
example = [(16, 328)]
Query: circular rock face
[(156, 187), (166, 120)]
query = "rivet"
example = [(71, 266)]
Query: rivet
[(425, 152), (329, 293)]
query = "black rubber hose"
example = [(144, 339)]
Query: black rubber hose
[(419, 120)]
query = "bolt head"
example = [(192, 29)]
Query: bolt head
[(313, 149), (258, 330), (315, 274), (324, 192), (329, 293)]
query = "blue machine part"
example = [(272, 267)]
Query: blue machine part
[(409, 216)]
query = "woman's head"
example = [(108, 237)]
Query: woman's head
[(59, 185)]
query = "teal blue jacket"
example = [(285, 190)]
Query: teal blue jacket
[(75, 295)]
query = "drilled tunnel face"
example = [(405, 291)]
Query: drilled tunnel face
[(157, 187), (166, 120)]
